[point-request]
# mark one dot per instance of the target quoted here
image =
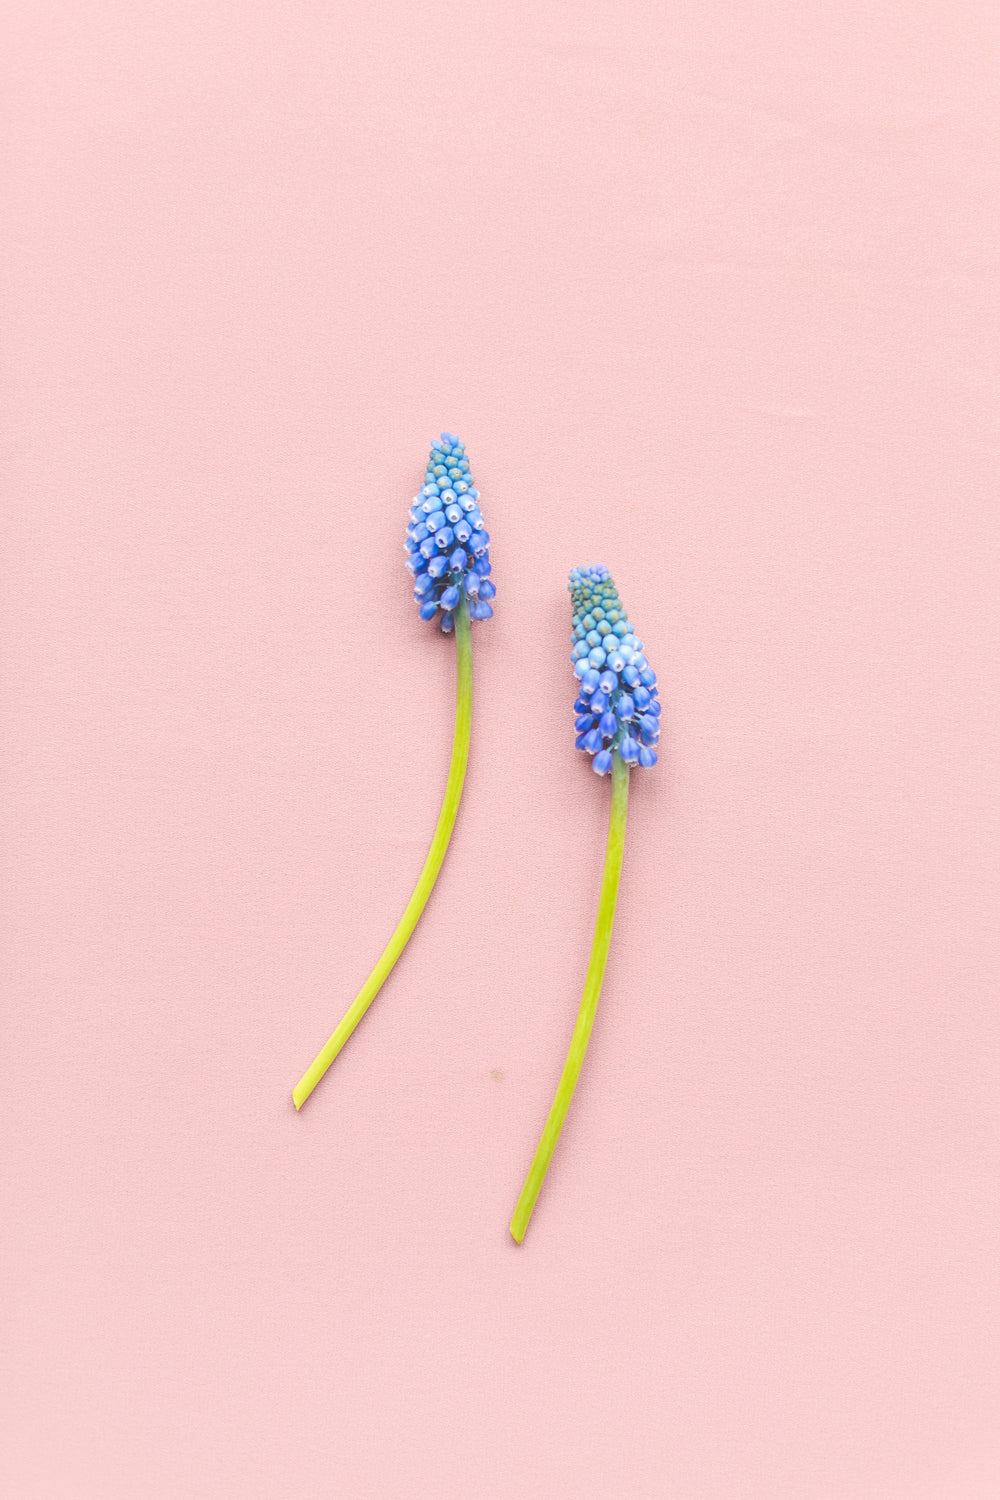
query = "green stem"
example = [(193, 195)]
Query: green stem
[(428, 875), (588, 1005)]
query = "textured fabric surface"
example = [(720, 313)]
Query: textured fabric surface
[(710, 293)]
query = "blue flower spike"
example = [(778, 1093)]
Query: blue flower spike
[(618, 723), (447, 553)]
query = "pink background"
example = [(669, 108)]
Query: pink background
[(710, 291)]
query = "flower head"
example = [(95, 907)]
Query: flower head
[(447, 543), (618, 707)]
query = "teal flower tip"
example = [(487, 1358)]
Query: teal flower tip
[(618, 707), (447, 544)]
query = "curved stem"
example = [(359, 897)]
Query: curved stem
[(428, 875), (588, 1004)]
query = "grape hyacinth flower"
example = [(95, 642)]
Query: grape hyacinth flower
[(618, 723), (447, 547)]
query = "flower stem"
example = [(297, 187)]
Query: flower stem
[(428, 875), (588, 1004)]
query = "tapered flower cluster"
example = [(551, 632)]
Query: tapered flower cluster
[(618, 707), (447, 543)]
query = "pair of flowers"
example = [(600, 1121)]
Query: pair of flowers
[(617, 722)]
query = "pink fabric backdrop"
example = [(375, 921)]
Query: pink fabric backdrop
[(710, 291)]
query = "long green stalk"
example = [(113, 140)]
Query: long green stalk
[(428, 875), (588, 1004)]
